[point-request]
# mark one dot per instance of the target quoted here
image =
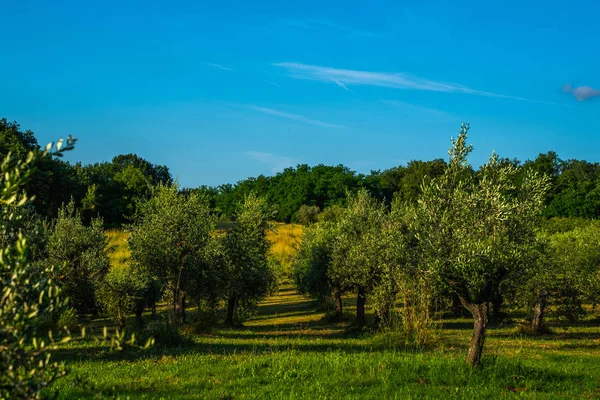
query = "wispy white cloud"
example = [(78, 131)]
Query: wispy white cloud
[(219, 66), (350, 77), (311, 24), (294, 117), (581, 93), (275, 162), (340, 84), (274, 84)]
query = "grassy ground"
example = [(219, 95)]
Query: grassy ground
[(289, 350), (117, 245), (284, 238)]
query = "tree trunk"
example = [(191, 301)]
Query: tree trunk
[(337, 301), (138, 319), (231, 303), (479, 312), (537, 323), (179, 306), (456, 306), (121, 318), (496, 307), (360, 306)]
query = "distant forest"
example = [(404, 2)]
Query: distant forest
[(113, 189)]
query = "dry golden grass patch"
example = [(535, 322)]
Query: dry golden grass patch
[(118, 247), (284, 239)]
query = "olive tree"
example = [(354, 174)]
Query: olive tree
[(565, 274), (577, 256), (28, 294), (169, 238), (359, 248), (250, 276), (78, 255), (124, 291), (311, 263), (477, 233)]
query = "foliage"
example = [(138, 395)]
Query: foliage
[(331, 213), (250, 276), (77, 253), (476, 232), (359, 249), (123, 292), (28, 295), (169, 241), (576, 254), (312, 260), (307, 214)]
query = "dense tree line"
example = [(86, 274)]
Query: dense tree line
[(109, 190), (112, 190)]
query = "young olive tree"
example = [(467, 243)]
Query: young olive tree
[(28, 295), (124, 291), (405, 279), (311, 263), (77, 253), (359, 248), (250, 276), (475, 234), (169, 238)]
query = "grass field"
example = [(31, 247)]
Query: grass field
[(284, 238), (290, 350), (118, 249)]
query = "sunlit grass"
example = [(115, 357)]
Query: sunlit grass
[(118, 247), (284, 239)]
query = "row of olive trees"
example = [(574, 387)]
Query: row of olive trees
[(469, 235), (177, 246), (564, 276)]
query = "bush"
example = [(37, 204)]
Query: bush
[(307, 215)]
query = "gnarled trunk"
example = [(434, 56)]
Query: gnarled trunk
[(479, 311), (337, 301), (537, 322), (231, 305), (360, 306)]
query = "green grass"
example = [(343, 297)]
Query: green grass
[(290, 351)]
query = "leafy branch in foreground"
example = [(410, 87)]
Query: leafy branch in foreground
[(28, 295)]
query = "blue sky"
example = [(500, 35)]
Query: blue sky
[(220, 91)]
